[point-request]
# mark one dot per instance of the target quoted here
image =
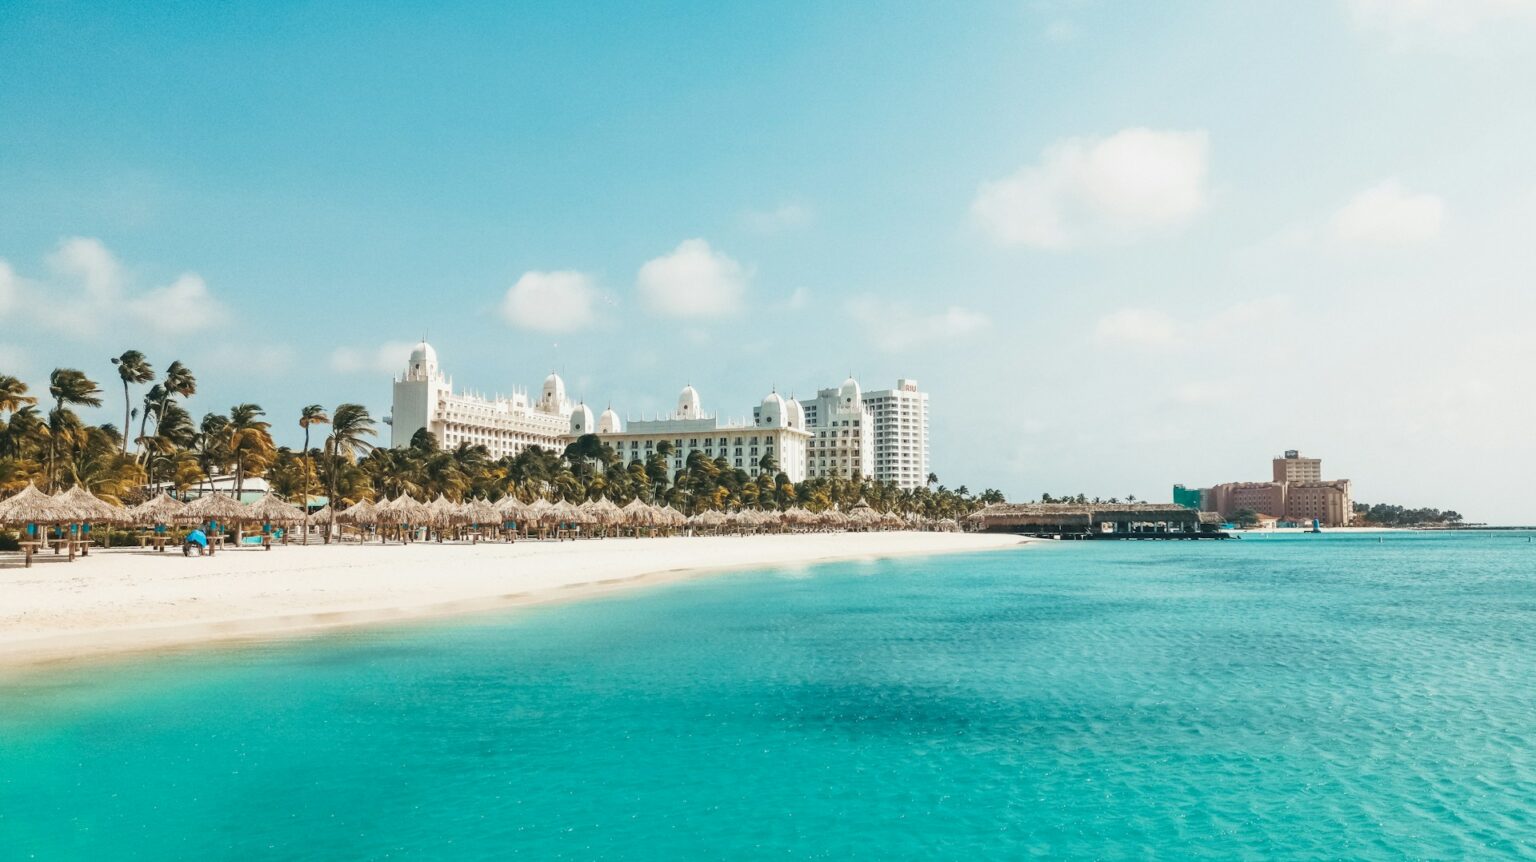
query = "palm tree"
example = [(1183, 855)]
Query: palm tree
[(250, 442), (132, 368), (13, 394), (349, 425), (71, 387), (314, 414)]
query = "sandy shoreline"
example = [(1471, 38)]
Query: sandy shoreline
[(130, 600)]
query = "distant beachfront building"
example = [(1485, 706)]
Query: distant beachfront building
[(504, 425), (424, 398), (1298, 493), (901, 434), (775, 438), (881, 435), (843, 431)]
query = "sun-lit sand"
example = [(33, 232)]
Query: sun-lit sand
[(124, 600)]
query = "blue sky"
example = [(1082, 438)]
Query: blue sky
[(1121, 244)]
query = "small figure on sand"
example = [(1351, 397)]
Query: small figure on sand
[(198, 539)]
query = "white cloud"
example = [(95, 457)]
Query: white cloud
[(1155, 329), (784, 217), (88, 260), (550, 301), (90, 292), (1437, 24), (1388, 214), (897, 326), (184, 305), (266, 359), (388, 358), (693, 281), (1139, 327), (798, 299), (10, 286), (1095, 189)]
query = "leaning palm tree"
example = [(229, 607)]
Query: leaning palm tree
[(250, 442), (71, 387), (349, 425), (132, 368), (13, 394), (314, 414)]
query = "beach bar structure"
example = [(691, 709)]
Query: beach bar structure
[(1098, 521)]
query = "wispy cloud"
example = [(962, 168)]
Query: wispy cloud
[(1083, 190), (1388, 214), (786, 216), (561, 301), (894, 326), (693, 281)]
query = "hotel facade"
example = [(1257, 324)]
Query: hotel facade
[(842, 431), (1297, 493)]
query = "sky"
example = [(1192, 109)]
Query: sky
[(1122, 245)]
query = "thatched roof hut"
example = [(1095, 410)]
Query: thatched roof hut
[(360, 514), (672, 517), (510, 508), (637, 513), (161, 509), (540, 511), (32, 506), (275, 510), (217, 507), (480, 511), (405, 510), (88, 508)]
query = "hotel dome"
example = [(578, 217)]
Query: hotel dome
[(688, 406), (581, 420), (772, 413), (609, 423)]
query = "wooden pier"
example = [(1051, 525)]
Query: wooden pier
[(1123, 521)]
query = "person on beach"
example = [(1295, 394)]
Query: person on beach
[(197, 538)]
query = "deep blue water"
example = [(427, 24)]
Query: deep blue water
[(1286, 697)]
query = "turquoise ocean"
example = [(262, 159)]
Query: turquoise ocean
[(1289, 697)]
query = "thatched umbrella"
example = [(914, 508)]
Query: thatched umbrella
[(637, 513), (672, 517), (275, 510), (32, 506), (511, 508), (363, 513), (541, 511), (481, 512), (607, 513), (217, 507), (163, 509), (405, 510), (324, 515), (892, 520), (443, 512), (87, 508)]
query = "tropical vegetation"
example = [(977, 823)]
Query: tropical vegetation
[(340, 458)]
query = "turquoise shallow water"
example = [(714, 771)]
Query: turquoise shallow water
[(1296, 697)]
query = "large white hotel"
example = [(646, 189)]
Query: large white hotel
[(842, 431)]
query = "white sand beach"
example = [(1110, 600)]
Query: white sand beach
[(129, 600)]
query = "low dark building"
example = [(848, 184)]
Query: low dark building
[(1098, 521)]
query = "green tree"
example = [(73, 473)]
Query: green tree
[(132, 368), (69, 388)]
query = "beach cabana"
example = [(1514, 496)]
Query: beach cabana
[(157, 514), (34, 511), (270, 511), (88, 510), (218, 511)]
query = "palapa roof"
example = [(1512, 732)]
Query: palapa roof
[(324, 515), (32, 506), (161, 509), (89, 507), (638, 513), (275, 510), (217, 507), (361, 513), (480, 511)]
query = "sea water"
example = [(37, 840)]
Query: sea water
[(1328, 696)]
